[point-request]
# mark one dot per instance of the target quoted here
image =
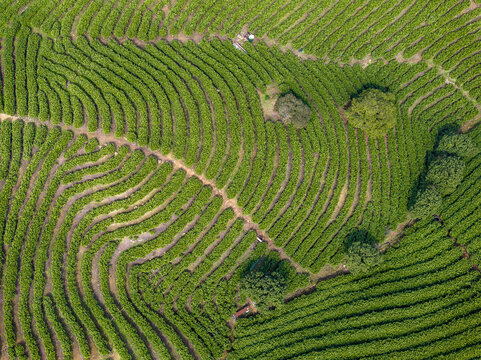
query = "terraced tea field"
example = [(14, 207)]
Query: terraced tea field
[(146, 173)]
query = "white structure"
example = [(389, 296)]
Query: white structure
[(238, 46)]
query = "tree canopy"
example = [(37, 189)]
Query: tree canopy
[(458, 144), (446, 173), (293, 110), (361, 254), (265, 289), (373, 111), (427, 203)]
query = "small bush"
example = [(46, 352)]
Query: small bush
[(361, 254), (265, 289), (293, 110), (373, 112)]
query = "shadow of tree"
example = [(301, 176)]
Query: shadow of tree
[(359, 235)]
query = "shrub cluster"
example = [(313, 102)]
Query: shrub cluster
[(427, 203), (460, 145), (445, 173), (265, 289), (361, 254)]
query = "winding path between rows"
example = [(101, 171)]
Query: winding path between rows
[(177, 165), (367, 60), (327, 271)]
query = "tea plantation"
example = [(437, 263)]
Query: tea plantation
[(216, 179)]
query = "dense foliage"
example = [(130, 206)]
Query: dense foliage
[(361, 253), (293, 110), (140, 183), (459, 145), (373, 111), (446, 173), (427, 203), (266, 290)]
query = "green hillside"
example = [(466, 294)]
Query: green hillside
[(161, 173)]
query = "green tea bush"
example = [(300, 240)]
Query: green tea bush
[(130, 256)]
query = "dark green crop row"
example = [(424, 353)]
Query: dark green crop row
[(382, 293), (225, 83), (127, 257)]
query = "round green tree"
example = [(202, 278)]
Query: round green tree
[(446, 174), (293, 110), (265, 289), (361, 254), (458, 144), (427, 203), (373, 111)]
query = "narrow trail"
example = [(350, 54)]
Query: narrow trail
[(232, 203), (177, 165), (197, 37), (367, 60), (395, 235), (450, 80)]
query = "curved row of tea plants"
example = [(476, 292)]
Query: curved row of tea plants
[(421, 302), (128, 222), (76, 215), (306, 188)]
